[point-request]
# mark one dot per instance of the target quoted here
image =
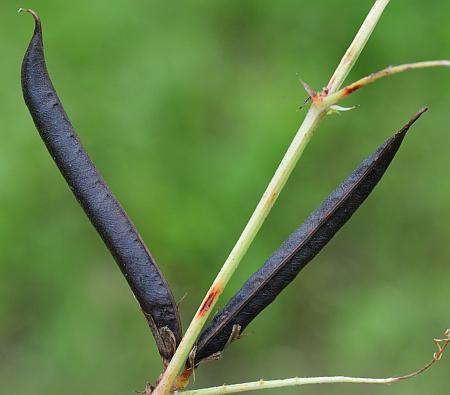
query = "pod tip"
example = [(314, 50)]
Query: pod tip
[(30, 11), (418, 115), (405, 128)]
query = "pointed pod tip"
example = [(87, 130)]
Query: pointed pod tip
[(420, 112), (417, 116), (405, 128), (32, 12)]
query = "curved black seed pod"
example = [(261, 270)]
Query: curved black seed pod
[(97, 200), (300, 248)]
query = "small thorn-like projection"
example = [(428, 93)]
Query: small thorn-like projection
[(310, 91), (305, 102), (335, 109)]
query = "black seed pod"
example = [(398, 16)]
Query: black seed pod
[(104, 211), (300, 248)]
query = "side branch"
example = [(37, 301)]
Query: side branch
[(296, 381), (388, 71)]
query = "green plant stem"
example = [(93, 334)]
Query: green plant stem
[(293, 154), (270, 384), (285, 168), (388, 71), (441, 344), (359, 42)]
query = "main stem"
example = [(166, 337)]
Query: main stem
[(359, 42), (285, 168), (293, 154)]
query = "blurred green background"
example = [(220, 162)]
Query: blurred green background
[(187, 108)]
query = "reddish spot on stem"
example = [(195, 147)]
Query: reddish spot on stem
[(273, 196), (349, 55), (182, 380), (351, 89), (212, 296)]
